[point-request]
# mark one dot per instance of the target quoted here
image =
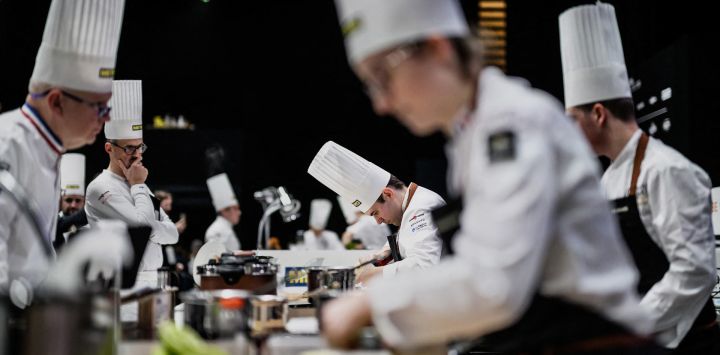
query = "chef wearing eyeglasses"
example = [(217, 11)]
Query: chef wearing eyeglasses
[(65, 109), (119, 192)]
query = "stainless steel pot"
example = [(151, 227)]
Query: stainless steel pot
[(333, 278), (218, 313)]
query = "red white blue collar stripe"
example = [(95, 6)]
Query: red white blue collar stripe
[(39, 123)]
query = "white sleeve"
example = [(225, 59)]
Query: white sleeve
[(501, 248), (164, 231), (333, 240), (425, 251), (141, 212), (8, 212), (679, 203)]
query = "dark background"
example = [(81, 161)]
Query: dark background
[(268, 81)]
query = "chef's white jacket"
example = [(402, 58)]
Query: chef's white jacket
[(327, 240), (221, 230), (534, 220), (418, 239), (110, 196), (673, 197), (372, 235), (31, 153)]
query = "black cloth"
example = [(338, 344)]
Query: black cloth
[(72, 224)]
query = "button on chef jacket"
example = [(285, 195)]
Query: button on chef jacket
[(673, 196), (110, 196), (534, 221), (31, 153)]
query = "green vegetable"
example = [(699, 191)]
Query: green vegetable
[(183, 341)]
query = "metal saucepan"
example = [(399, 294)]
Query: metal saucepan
[(218, 313)]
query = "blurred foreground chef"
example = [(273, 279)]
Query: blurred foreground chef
[(65, 109), (384, 197), (362, 227), (228, 212), (72, 198), (661, 199), (317, 237), (119, 192), (540, 266)]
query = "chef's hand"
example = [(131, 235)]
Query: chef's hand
[(244, 252), (136, 173), (181, 224), (367, 272), (343, 318)]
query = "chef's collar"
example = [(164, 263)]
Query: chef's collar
[(408, 195), (628, 151), (41, 126)]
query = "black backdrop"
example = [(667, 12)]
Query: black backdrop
[(268, 81)]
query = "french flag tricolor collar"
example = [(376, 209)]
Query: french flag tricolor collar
[(39, 123)]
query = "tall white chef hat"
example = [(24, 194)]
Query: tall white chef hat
[(349, 175), (371, 26), (221, 192), (72, 174), (319, 213), (79, 45), (592, 55), (126, 116), (348, 210)]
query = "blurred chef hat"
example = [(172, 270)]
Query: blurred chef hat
[(319, 213), (221, 192), (72, 174)]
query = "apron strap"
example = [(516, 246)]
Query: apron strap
[(639, 155)]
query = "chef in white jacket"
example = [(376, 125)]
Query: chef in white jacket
[(362, 227), (388, 200), (317, 237), (660, 197), (72, 215), (228, 212), (119, 192), (65, 109), (539, 264)]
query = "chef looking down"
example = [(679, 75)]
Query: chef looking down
[(661, 199), (540, 266), (387, 199), (228, 212), (72, 215), (119, 192), (65, 109), (317, 237)]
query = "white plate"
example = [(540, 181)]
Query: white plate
[(208, 251)]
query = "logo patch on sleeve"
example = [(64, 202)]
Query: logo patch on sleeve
[(501, 146), (104, 197)]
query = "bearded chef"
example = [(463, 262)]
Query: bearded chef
[(72, 200)]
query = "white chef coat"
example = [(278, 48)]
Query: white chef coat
[(327, 240), (221, 230), (110, 196), (418, 239), (673, 197), (372, 235), (534, 220), (32, 154)]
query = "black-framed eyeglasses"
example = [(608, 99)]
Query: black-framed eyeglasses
[(100, 108), (131, 149), (70, 200)]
